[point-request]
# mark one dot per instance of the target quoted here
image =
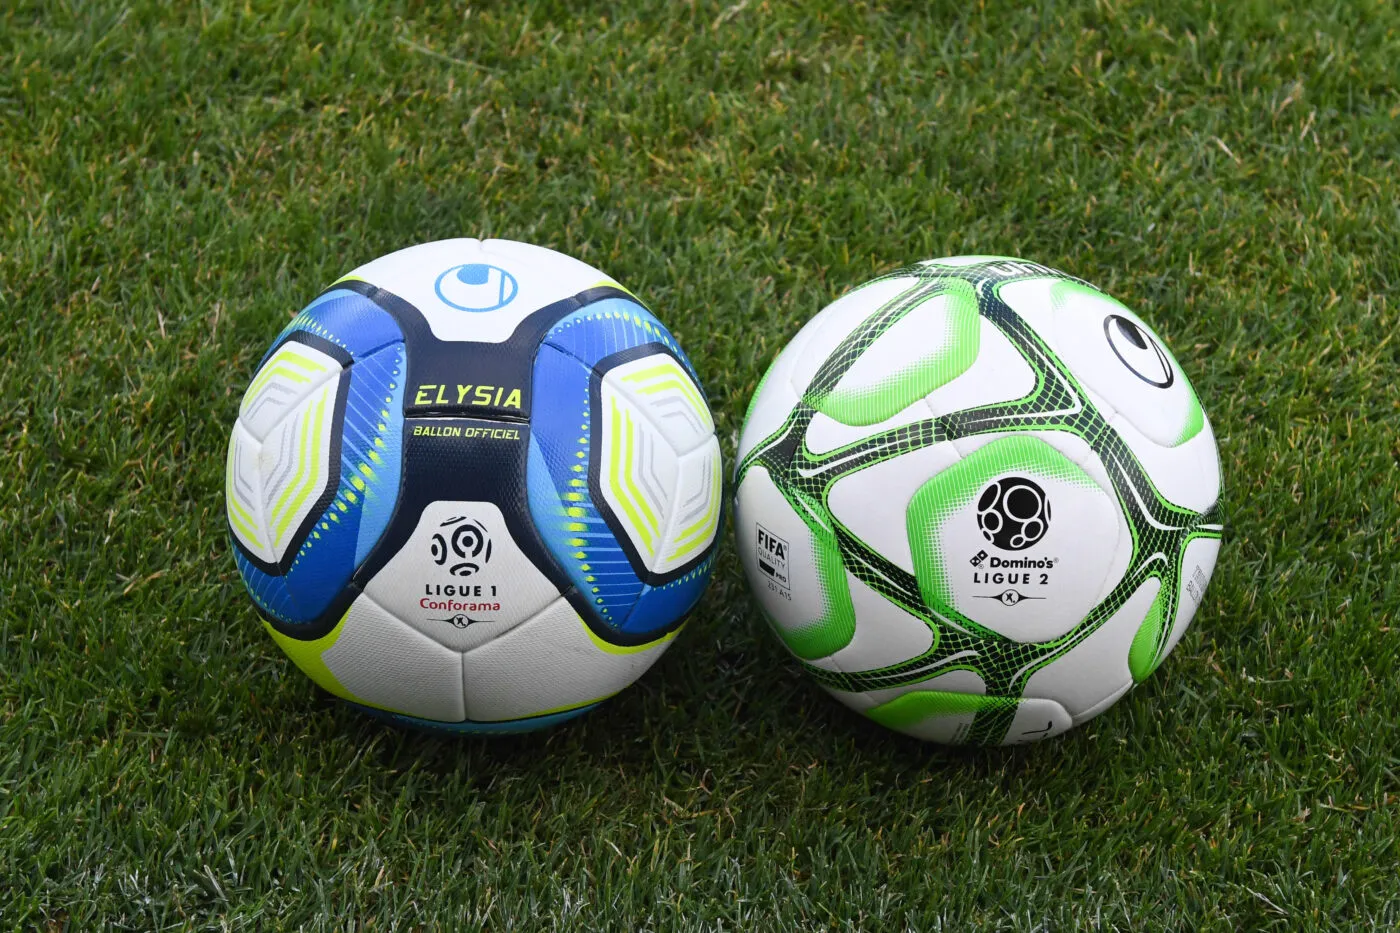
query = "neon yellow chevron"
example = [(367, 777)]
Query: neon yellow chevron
[(699, 533), (308, 472), (238, 517), (288, 364), (667, 375), (631, 475), (621, 477)]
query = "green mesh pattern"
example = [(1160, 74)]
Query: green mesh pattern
[(929, 367), (1195, 419), (1145, 653), (836, 626), (1161, 530)]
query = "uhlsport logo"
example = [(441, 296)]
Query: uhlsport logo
[(1013, 513), (476, 287), (462, 546), (1136, 350)]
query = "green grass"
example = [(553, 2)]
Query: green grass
[(173, 184)]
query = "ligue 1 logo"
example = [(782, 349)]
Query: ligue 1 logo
[(466, 545), (476, 287)]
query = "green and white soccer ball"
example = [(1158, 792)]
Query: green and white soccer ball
[(977, 498)]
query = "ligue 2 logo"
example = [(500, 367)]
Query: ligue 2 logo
[(1013, 513), (463, 546)]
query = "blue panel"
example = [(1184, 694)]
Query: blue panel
[(562, 432), (370, 466), (557, 483), (659, 606), (609, 326), (373, 440), (370, 459), (347, 319), (269, 592)]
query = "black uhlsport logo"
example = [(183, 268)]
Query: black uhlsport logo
[(1136, 350), (1013, 513), (462, 546)]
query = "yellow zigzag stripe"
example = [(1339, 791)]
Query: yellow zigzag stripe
[(699, 533), (310, 443), (237, 515), (277, 367), (623, 485)]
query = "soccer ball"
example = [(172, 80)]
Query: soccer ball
[(474, 485), (977, 498)]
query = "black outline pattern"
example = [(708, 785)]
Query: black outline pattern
[(1056, 403)]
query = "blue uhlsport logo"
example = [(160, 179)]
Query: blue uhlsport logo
[(476, 287)]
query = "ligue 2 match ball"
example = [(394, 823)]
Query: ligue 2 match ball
[(474, 485), (977, 499)]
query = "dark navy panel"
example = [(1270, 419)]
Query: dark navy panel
[(480, 464), (477, 380)]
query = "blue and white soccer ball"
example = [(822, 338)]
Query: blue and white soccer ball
[(475, 485)]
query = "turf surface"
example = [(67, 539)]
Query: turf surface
[(173, 184)]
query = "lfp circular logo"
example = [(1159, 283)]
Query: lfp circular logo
[(1013, 513), (476, 287)]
